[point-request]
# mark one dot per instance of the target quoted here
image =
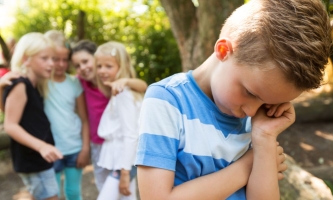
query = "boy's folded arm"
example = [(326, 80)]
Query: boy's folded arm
[(156, 183), (264, 171), (265, 130)]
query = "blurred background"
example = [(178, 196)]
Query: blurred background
[(165, 37)]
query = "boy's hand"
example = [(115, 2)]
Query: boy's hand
[(7, 78), (117, 86), (82, 159), (50, 153), (274, 121), (281, 166), (124, 182)]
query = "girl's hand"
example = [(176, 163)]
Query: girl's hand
[(7, 78), (82, 159), (124, 182), (117, 86), (50, 153), (281, 166), (273, 121)]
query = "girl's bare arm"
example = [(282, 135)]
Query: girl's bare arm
[(15, 103), (83, 158)]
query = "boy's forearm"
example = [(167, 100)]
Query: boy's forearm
[(215, 186), (222, 184), (263, 181), (137, 84)]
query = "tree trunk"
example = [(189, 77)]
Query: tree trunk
[(5, 51), (80, 25), (196, 29)]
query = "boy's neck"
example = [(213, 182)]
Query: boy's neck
[(202, 75)]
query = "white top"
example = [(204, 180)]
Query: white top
[(119, 127)]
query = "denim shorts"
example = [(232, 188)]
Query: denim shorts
[(116, 173), (67, 161), (41, 185)]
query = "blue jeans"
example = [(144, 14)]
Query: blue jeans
[(73, 176), (41, 185)]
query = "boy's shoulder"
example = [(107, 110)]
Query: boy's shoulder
[(173, 81), (179, 90), (170, 85)]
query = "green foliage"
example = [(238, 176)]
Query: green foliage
[(329, 184), (141, 25), (329, 6)]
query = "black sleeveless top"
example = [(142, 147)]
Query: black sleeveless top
[(35, 122)]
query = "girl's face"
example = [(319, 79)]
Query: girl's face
[(60, 59), (84, 64), (107, 68), (41, 64)]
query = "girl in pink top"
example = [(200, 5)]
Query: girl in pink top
[(84, 62)]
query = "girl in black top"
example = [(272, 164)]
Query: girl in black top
[(25, 121)]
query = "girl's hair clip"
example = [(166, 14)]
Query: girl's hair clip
[(113, 52)]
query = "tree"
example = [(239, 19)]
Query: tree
[(196, 28), (5, 51), (146, 33)]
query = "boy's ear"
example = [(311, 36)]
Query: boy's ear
[(222, 48)]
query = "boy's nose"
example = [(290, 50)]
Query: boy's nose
[(252, 108)]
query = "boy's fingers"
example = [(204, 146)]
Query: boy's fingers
[(284, 109), (279, 150), (280, 176), (282, 167), (272, 110), (282, 158)]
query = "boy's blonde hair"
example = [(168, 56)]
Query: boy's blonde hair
[(126, 70), (29, 45), (293, 35)]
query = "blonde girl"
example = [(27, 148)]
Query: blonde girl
[(84, 62), (119, 123), (65, 108), (25, 121)]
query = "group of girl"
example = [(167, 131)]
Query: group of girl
[(56, 120)]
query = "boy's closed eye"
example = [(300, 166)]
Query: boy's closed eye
[(250, 94)]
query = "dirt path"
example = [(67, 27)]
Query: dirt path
[(11, 184)]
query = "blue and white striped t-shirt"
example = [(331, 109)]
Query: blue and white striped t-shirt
[(182, 130)]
